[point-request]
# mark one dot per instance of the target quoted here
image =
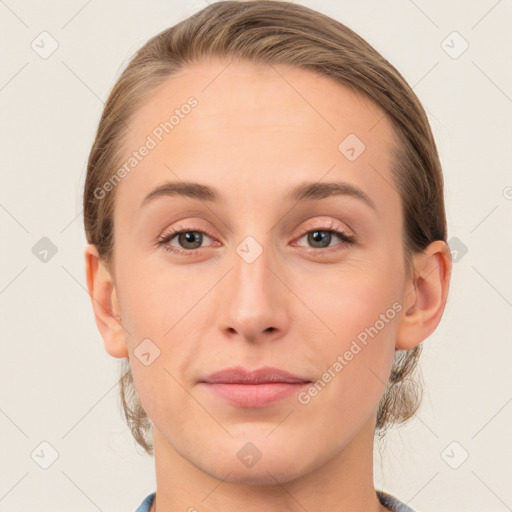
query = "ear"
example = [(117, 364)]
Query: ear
[(425, 296), (104, 303)]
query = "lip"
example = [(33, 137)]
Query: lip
[(256, 388), (264, 375)]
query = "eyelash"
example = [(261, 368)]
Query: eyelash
[(166, 238)]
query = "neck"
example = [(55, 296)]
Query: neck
[(344, 482)]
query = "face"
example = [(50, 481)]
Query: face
[(262, 276)]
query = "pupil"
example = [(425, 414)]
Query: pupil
[(191, 237), (319, 236)]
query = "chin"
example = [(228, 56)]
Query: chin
[(258, 462), (268, 473)]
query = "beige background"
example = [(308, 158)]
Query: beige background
[(58, 385)]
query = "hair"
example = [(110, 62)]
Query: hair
[(276, 32)]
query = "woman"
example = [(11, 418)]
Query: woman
[(266, 252)]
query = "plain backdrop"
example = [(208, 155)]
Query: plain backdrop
[(59, 401)]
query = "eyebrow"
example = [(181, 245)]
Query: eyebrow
[(302, 192)]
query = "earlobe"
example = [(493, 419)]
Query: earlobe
[(426, 295), (105, 305)]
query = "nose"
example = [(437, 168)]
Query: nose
[(254, 302)]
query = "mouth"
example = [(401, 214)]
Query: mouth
[(258, 388)]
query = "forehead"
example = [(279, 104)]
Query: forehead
[(255, 125)]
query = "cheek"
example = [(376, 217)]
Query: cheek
[(168, 308), (359, 311), (355, 360), (352, 300), (157, 298), (161, 396)]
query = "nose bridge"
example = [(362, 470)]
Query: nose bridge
[(251, 275), (252, 300)]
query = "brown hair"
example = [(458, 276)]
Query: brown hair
[(277, 32)]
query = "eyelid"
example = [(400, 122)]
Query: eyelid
[(172, 232), (310, 225), (330, 225)]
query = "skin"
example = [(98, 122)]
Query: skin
[(253, 136)]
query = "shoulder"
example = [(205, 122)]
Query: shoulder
[(392, 502), (144, 506)]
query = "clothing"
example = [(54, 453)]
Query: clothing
[(386, 499), (144, 506), (393, 503)]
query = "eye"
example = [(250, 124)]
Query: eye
[(189, 239), (321, 239)]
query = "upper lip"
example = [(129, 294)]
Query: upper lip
[(240, 375)]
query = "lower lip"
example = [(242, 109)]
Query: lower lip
[(255, 395)]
